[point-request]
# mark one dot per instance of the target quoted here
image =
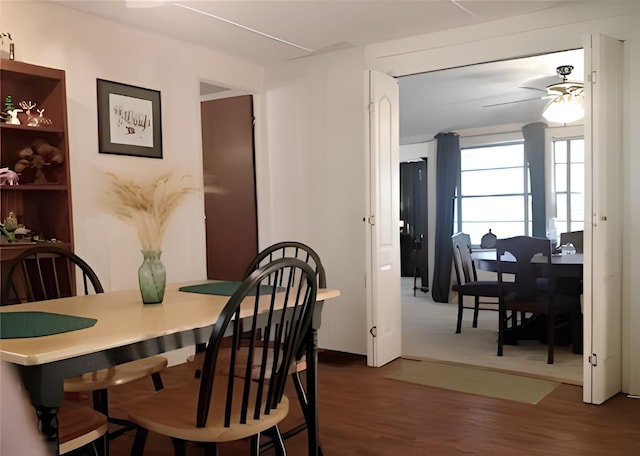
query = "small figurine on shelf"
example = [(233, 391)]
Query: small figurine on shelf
[(13, 119), (8, 105), (41, 120), (32, 121), (11, 222), (10, 113), (8, 177)]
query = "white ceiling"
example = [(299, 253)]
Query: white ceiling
[(284, 30), (490, 94)]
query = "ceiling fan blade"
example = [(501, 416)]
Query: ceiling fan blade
[(533, 88), (512, 102), (541, 83)]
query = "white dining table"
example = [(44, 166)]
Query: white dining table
[(126, 330)]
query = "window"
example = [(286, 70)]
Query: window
[(493, 192), (568, 183)]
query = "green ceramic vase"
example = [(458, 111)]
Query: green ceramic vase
[(152, 277)]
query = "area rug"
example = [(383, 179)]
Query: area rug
[(473, 380)]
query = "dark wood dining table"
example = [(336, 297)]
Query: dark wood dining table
[(125, 330), (564, 266), (568, 270)]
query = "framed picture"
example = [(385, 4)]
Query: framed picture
[(129, 120)]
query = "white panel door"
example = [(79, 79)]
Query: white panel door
[(383, 284), (603, 236)]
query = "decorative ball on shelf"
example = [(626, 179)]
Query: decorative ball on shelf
[(50, 153)]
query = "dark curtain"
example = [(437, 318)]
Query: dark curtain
[(534, 152), (447, 171)]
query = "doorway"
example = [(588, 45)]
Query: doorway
[(459, 79)]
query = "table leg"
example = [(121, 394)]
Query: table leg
[(312, 391), (45, 387), (48, 424)]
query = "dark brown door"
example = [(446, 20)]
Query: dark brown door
[(229, 186)]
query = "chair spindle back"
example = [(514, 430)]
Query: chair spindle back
[(277, 319), (47, 272)]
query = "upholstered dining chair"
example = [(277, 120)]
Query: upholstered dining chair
[(48, 272), (278, 301), (467, 280), (528, 260)]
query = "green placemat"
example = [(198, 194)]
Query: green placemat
[(15, 325), (221, 288)]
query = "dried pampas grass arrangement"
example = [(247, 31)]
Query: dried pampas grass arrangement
[(147, 203)]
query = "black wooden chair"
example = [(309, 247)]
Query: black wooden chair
[(50, 272), (418, 257), (467, 280), (303, 252), (225, 406), (527, 294), (79, 426), (573, 286)]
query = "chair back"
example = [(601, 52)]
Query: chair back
[(290, 249), (533, 261), (47, 272), (463, 262), (575, 237), (277, 319)]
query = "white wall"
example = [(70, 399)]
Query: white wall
[(88, 48), (542, 32), (314, 130)]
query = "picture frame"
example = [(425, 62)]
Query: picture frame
[(129, 120)]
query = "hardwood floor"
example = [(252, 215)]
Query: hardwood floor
[(363, 413)]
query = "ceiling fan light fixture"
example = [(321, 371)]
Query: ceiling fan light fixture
[(566, 108)]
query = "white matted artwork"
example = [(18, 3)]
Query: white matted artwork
[(129, 120)]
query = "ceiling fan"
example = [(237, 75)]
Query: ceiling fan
[(565, 87), (553, 91)]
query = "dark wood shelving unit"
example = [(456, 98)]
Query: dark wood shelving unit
[(42, 198)]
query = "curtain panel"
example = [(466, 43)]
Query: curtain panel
[(533, 135), (447, 172)]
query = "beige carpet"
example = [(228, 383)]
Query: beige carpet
[(428, 332), (474, 380)]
